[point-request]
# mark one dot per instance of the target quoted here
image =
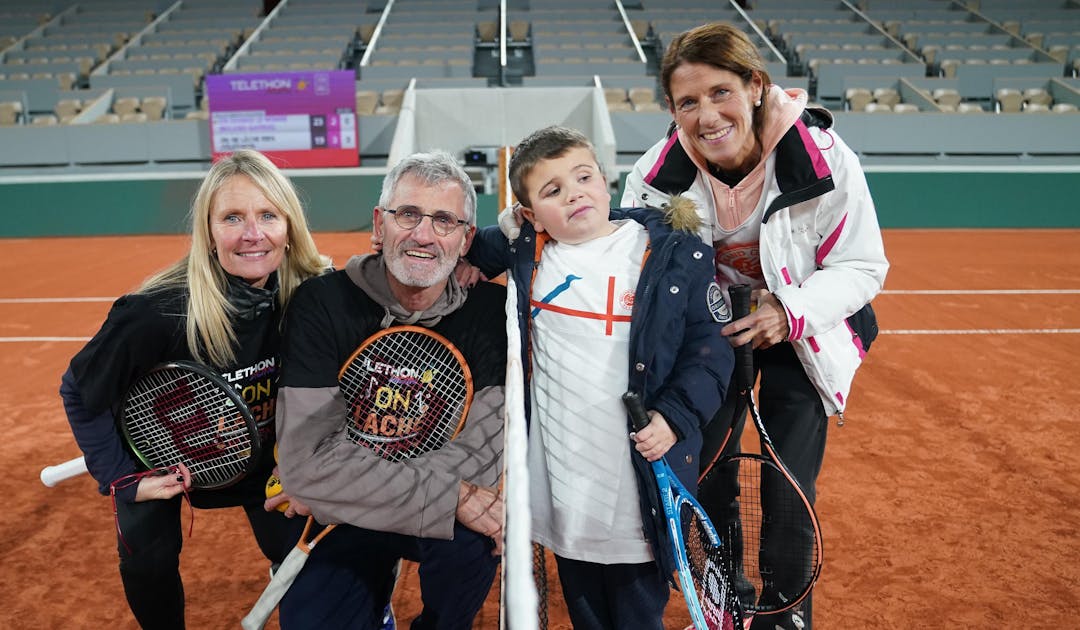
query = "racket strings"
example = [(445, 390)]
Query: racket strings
[(773, 535), (406, 394), (710, 568), (174, 415)]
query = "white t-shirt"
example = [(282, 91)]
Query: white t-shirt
[(583, 490)]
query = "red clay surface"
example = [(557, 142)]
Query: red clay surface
[(950, 499)]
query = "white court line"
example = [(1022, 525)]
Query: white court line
[(973, 331), (41, 339), (54, 300)]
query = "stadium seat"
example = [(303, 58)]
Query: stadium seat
[(366, 102), (154, 107), (614, 95), (519, 31), (1008, 100), (125, 105), (9, 112), (946, 96), (1038, 96), (487, 31), (886, 96), (641, 96), (67, 107), (857, 98)]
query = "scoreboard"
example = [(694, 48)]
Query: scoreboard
[(298, 119)]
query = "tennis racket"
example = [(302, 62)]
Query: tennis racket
[(700, 554), (771, 524), (407, 392), (182, 412)]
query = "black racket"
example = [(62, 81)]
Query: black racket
[(756, 500), (407, 392), (183, 412)]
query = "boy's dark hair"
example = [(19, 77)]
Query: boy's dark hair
[(546, 144)]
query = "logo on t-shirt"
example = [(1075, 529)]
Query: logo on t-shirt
[(742, 257)]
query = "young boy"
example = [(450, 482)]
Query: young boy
[(607, 306)]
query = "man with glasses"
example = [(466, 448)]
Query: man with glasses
[(441, 510)]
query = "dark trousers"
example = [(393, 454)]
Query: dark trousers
[(153, 531), (613, 596), (795, 420), (345, 583)]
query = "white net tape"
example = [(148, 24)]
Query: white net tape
[(519, 597)]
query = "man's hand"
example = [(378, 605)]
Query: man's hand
[(481, 510), (294, 507)]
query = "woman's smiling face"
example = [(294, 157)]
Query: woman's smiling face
[(249, 232), (715, 110)]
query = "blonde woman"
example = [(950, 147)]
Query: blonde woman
[(220, 305)]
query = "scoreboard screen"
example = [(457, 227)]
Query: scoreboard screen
[(299, 119)]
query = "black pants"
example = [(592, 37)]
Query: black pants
[(795, 419), (154, 530), (613, 596), (345, 582)]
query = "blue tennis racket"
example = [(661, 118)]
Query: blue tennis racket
[(704, 565)]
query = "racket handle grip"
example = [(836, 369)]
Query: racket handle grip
[(639, 418), (744, 354), (52, 475)]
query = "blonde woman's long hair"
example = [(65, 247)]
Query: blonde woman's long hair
[(210, 335)]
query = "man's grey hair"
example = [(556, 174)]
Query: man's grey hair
[(432, 168)]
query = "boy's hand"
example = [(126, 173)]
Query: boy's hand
[(656, 439)]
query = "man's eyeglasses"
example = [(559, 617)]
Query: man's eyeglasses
[(408, 217)]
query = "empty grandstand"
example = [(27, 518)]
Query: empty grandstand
[(100, 86)]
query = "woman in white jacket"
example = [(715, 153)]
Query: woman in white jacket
[(787, 208)]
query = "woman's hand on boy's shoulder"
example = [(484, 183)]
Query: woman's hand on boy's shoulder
[(510, 220)]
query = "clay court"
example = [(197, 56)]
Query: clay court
[(951, 499)]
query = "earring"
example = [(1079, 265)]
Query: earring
[(757, 103), (287, 246)]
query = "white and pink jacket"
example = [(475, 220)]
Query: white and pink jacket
[(820, 244)]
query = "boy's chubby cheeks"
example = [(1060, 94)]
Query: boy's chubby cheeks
[(568, 197)]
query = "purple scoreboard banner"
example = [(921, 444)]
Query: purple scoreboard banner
[(298, 119)]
